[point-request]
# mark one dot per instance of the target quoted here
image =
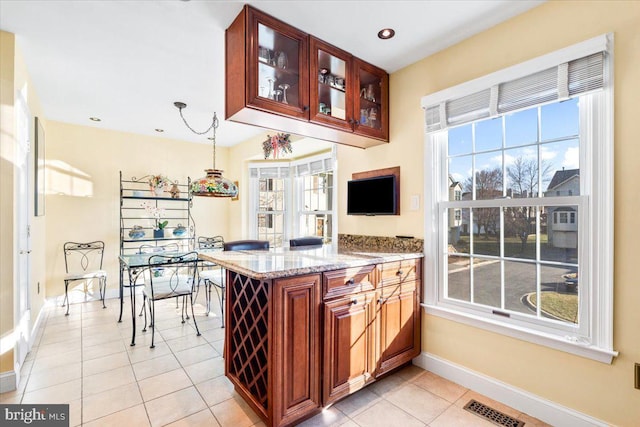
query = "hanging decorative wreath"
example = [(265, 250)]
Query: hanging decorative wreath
[(277, 144)]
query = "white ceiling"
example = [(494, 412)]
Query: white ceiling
[(127, 61)]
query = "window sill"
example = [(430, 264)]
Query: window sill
[(588, 351)]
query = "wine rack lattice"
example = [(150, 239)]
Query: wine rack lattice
[(249, 338)]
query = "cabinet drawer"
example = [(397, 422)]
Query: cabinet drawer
[(346, 281), (399, 271)]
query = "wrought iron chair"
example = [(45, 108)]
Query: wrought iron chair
[(305, 241), (137, 273), (212, 274), (170, 276), (153, 249), (83, 262)]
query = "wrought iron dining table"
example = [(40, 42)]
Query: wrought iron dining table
[(135, 265)]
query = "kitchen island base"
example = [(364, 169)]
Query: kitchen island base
[(296, 344)]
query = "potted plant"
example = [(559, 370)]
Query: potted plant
[(157, 213), (158, 232)]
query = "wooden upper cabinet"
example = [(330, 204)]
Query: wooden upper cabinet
[(267, 66), (371, 101), (331, 85), (281, 78)]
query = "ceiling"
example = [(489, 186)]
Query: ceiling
[(126, 62)]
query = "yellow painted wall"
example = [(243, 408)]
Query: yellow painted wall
[(83, 189), (7, 132), (600, 390)]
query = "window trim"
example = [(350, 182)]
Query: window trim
[(599, 172)]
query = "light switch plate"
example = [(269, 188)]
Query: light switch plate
[(415, 202)]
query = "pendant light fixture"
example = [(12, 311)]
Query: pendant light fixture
[(213, 184)]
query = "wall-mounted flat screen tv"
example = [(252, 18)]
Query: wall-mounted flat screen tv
[(372, 196)]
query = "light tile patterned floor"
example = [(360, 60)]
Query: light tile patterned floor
[(85, 360)]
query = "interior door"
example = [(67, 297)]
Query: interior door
[(22, 297)]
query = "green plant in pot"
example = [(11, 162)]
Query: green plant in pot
[(158, 232)]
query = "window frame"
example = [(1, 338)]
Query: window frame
[(254, 193), (595, 340)]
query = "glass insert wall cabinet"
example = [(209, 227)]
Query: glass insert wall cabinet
[(331, 84), (372, 97), (280, 60)]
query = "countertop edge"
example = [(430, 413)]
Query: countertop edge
[(367, 258)]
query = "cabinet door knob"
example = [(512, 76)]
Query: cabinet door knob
[(399, 273), (354, 301), (351, 281), (380, 300), (305, 108)]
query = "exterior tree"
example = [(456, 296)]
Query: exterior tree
[(522, 178), (488, 186)]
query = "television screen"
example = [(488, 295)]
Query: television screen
[(372, 196)]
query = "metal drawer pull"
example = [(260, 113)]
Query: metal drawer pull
[(351, 281)]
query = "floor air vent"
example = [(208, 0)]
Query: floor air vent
[(490, 414)]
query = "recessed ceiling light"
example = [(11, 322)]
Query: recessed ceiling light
[(159, 130), (95, 119), (386, 33)]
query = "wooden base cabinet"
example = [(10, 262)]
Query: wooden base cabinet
[(272, 347), (398, 313), (296, 344), (399, 320), (349, 345)]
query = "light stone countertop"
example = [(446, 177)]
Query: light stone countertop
[(286, 262)]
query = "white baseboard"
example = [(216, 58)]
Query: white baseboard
[(7, 381), (521, 400)]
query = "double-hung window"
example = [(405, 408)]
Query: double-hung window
[(314, 196), (523, 243), (270, 199)]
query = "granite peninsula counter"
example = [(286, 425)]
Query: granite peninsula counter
[(285, 262), (306, 327)]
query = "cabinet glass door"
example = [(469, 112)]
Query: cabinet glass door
[(371, 100), (330, 80), (280, 61)]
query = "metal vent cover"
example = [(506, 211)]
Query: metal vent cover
[(492, 415)]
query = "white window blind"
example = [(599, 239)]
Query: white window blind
[(312, 166), (269, 172), (561, 81)]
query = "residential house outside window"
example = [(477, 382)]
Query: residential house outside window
[(525, 144)]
